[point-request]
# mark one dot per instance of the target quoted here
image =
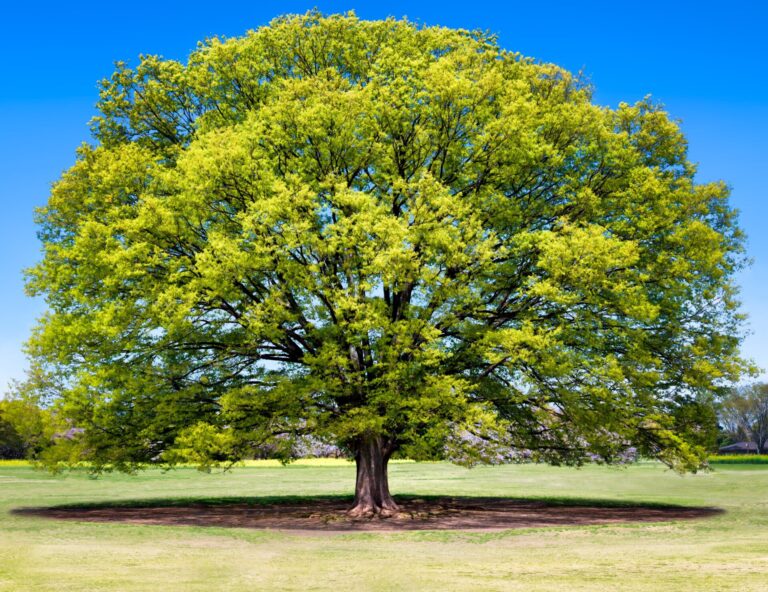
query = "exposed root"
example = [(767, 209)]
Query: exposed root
[(370, 511)]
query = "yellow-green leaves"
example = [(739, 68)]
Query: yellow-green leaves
[(586, 265), (356, 229)]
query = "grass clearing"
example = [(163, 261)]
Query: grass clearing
[(727, 552)]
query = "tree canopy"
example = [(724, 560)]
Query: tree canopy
[(405, 240)]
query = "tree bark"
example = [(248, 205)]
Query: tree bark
[(372, 497)]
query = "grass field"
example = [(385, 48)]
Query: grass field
[(727, 552)]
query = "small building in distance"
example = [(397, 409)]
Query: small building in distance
[(738, 448)]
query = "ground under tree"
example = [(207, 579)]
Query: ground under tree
[(403, 240)]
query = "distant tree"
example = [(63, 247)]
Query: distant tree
[(398, 239), (11, 444), (744, 415), (26, 429)]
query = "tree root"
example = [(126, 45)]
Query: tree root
[(370, 511)]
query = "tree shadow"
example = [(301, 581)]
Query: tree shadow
[(328, 513)]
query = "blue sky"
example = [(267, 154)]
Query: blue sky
[(706, 61)]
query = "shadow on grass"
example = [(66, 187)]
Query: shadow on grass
[(328, 513)]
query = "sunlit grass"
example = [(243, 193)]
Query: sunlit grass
[(725, 553)]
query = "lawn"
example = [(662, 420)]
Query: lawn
[(727, 552)]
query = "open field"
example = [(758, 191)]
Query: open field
[(725, 552)]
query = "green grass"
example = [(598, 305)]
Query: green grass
[(727, 552)]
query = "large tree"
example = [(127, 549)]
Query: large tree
[(401, 239)]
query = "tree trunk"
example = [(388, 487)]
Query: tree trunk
[(372, 498)]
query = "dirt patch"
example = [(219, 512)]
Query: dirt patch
[(416, 514)]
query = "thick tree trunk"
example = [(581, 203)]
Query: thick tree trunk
[(372, 498)]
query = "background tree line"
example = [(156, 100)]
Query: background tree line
[(25, 428), (744, 416), (30, 425)]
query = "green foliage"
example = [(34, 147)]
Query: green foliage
[(11, 443), (26, 429), (696, 422), (354, 229)]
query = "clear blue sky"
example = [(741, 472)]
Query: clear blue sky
[(706, 61)]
